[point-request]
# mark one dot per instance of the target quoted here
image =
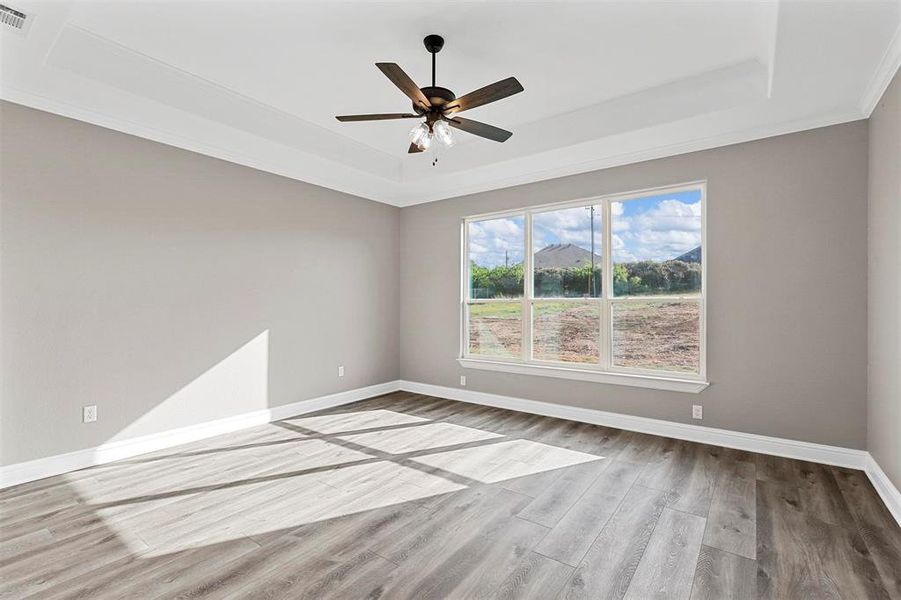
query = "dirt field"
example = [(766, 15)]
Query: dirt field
[(650, 335), (495, 329), (566, 332), (657, 335)]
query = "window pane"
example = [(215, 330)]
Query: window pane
[(496, 250), (567, 251), (495, 329), (657, 335), (656, 243), (566, 331)]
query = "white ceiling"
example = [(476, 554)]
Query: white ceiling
[(606, 83)]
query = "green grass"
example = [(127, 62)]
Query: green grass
[(496, 309), (514, 309)]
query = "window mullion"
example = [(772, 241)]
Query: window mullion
[(465, 292), (606, 337), (528, 279)]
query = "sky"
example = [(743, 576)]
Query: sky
[(649, 228)]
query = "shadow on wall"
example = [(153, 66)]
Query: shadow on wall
[(240, 379), (171, 289), (236, 385)]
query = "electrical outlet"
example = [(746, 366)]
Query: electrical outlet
[(697, 411), (341, 371), (463, 380), (89, 414)]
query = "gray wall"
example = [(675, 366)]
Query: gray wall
[(884, 397), (169, 288), (787, 289)]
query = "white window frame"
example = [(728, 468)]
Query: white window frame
[(604, 371)]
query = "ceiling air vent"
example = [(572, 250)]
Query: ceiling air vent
[(13, 19)]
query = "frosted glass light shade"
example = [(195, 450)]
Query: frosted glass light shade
[(420, 136), (443, 133)]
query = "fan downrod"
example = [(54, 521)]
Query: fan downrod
[(437, 95)]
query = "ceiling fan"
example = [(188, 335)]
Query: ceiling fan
[(438, 106)]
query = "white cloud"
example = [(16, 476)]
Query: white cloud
[(663, 232), (620, 253), (495, 241), (670, 215), (567, 226)]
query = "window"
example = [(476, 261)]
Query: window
[(610, 286)]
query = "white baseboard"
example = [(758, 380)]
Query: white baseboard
[(63, 463), (890, 495), (830, 455), (819, 453)]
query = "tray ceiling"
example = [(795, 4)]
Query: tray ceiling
[(259, 83)]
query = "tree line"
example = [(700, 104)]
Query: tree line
[(644, 277)]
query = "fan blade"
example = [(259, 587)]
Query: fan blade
[(404, 83), (414, 149), (378, 117), (480, 129), (490, 93)]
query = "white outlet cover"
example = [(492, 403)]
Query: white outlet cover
[(340, 371), (697, 411), (89, 414), (463, 380)]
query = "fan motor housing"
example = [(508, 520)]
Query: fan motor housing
[(438, 96), (433, 43)]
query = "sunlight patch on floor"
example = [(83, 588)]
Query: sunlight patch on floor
[(355, 421), (196, 500), (423, 437), (505, 460), (135, 483), (280, 506)]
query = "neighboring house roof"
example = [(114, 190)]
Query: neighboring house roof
[(563, 256), (692, 256)]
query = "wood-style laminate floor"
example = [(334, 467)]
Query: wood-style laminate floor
[(408, 496)]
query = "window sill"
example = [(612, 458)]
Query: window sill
[(671, 384)]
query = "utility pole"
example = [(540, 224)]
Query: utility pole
[(507, 258)]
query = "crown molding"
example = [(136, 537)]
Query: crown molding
[(297, 165), (882, 77), (570, 160)]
